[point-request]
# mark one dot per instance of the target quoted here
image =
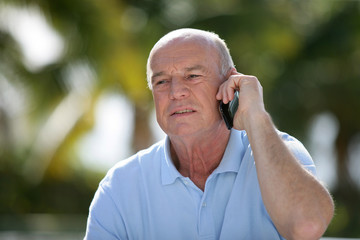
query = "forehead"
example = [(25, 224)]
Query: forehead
[(191, 50)]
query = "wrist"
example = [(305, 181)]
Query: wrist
[(258, 120)]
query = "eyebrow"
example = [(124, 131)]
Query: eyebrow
[(158, 74), (187, 69)]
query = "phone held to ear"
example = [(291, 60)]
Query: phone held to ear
[(228, 110)]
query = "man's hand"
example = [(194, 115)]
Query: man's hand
[(251, 102)]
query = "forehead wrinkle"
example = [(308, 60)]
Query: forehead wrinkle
[(195, 67), (158, 74)]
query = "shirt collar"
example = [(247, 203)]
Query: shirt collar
[(169, 173), (230, 162), (234, 152)]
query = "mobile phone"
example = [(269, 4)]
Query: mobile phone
[(228, 110)]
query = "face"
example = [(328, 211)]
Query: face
[(185, 76)]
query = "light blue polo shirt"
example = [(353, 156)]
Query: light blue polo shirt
[(145, 197)]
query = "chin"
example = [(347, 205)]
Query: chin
[(182, 131)]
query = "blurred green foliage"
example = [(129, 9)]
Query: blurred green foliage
[(305, 53)]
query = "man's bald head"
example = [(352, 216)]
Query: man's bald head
[(210, 38)]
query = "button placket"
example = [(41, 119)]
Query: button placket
[(206, 221)]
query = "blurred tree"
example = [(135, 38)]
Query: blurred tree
[(36, 151), (324, 77), (97, 44)]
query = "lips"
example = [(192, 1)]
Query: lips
[(182, 111)]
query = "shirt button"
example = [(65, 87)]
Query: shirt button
[(186, 182), (203, 204)]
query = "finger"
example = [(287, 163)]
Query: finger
[(230, 93), (225, 97), (227, 89), (233, 84), (219, 94)]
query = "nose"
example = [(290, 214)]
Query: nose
[(179, 89)]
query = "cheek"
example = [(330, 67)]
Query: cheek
[(213, 103), (210, 104), (158, 100), (160, 107), (210, 93)]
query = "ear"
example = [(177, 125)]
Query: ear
[(230, 72)]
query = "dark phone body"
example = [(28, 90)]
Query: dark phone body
[(228, 110)]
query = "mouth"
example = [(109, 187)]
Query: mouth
[(182, 112)]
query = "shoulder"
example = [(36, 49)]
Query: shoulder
[(299, 151), (134, 167), (122, 187), (295, 145)]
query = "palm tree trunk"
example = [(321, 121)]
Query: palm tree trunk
[(142, 137)]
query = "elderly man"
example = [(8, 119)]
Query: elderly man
[(204, 181)]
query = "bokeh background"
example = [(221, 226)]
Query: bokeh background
[(74, 99)]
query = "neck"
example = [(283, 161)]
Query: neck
[(197, 156)]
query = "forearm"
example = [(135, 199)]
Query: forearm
[(295, 200)]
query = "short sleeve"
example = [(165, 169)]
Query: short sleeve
[(300, 152), (104, 220)]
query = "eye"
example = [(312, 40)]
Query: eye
[(191, 76), (161, 82)]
